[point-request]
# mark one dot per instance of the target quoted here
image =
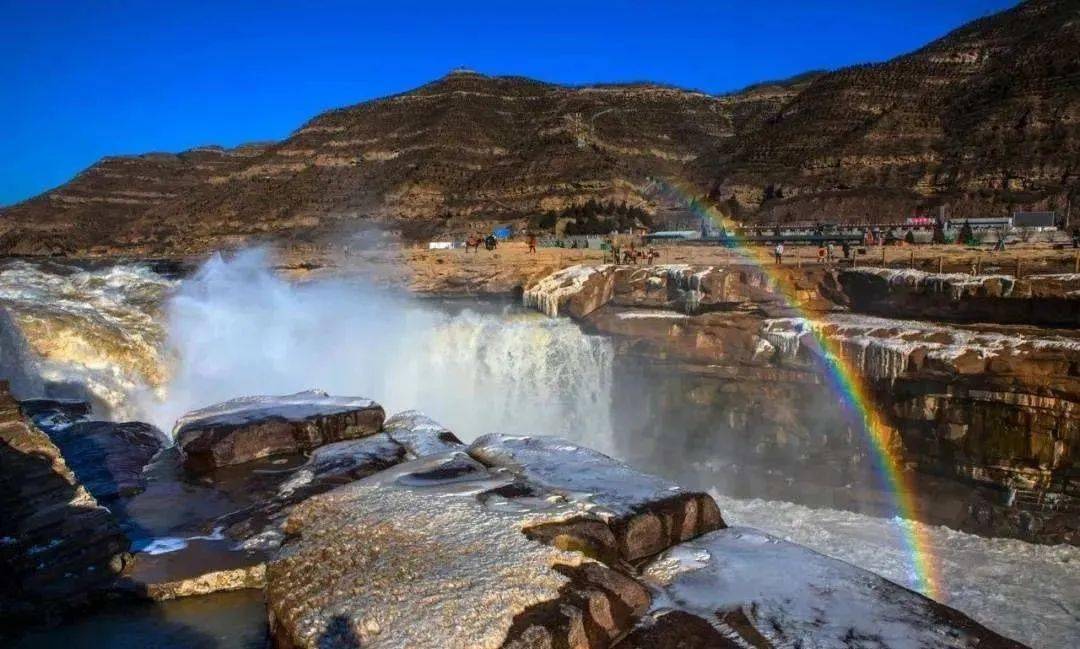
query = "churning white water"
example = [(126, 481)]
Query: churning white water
[(148, 348), (237, 329)]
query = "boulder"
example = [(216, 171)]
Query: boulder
[(108, 457), (646, 513), (249, 428), (58, 546), (420, 435), (763, 591)]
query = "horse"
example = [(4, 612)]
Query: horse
[(472, 242)]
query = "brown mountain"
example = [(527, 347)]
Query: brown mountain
[(981, 120), (463, 149)]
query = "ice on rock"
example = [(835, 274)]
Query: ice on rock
[(413, 557), (250, 428), (549, 294), (793, 596), (646, 513), (880, 348), (955, 284), (345, 461), (420, 435), (308, 404), (651, 315), (1016, 588)]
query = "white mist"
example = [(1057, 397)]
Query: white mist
[(235, 328)]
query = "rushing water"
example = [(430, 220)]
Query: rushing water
[(147, 347)]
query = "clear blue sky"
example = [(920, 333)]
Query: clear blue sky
[(82, 79)]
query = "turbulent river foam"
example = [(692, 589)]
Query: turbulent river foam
[(142, 346)]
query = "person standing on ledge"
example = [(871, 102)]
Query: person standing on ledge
[(778, 252), (532, 243)]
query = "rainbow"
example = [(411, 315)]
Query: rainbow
[(845, 379)]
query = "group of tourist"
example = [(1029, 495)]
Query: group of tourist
[(630, 254)]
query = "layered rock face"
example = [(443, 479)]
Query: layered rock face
[(106, 200), (465, 149), (722, 355), (981, 120), (58, 546), (579, 290), (1048, 300)]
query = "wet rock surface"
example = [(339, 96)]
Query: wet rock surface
[(203, 566), (249, 428), (109, 457), (645, 513), (59, 547), (406, 436), (407, 537), (514, 544)]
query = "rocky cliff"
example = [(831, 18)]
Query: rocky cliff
[(58, 546), (720, 354), (982, 120)]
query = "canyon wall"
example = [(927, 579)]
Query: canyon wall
[(989, 413)]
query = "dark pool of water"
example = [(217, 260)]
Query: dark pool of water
[(234, 620)]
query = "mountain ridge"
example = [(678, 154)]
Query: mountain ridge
[(983, 120)]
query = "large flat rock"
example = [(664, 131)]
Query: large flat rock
[(432, 554), (766, 592), (646, 513), (250, 428), (513, 545)]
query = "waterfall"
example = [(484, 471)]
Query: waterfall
[(147, 348), (512, 372)]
